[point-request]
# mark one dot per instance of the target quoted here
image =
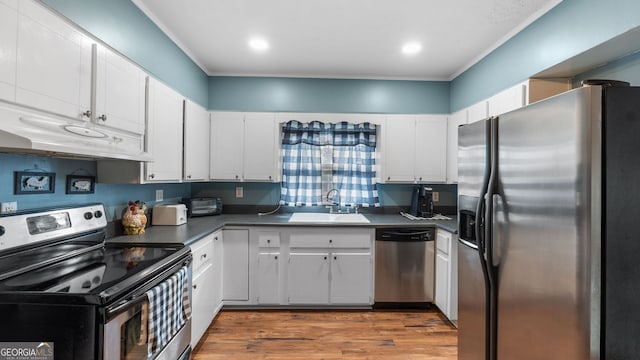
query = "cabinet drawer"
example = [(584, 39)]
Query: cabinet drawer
[(357, 241), (443, 242), (269, 240), (202, 253)]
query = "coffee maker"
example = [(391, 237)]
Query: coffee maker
[(422, 202)]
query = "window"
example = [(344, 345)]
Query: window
[(319, 157)]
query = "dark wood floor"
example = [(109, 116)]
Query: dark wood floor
[(324, 334)]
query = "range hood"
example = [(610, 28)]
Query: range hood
[(26, 130)]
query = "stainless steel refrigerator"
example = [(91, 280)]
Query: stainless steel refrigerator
[(549, 229)]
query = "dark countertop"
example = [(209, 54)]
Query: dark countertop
[(199, 227)]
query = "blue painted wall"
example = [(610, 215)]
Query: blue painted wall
[(125, 28), (328, 95), (572, 27), (114, 197), (625, 69)]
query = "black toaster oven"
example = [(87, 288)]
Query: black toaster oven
[(204, 206)]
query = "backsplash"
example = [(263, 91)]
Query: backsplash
[(114, 196)]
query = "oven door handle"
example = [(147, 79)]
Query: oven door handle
[(125, 304)]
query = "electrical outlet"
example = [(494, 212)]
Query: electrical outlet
[(436, 196), (8, 207), (159, 195), (239, 192)]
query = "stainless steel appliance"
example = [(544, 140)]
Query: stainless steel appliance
[(422, 202), (60, 283), (404, 265), (204, 206), (548, 247)]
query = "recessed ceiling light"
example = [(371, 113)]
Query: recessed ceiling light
[(258, 44), (411, 48)]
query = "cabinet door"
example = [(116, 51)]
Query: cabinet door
[(54, 71), (8, 45), (268, 278), (478, 111), (453, 122), (164, 135), (196, 142), (203, 303), (442, 283), (308, 278), (226, 146), (507, 100), (260, 147), (431, 148), (399, 148), (120, 92), (216, 276), (351, 278), (235, 265)]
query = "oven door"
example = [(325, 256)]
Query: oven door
[(126, 333)]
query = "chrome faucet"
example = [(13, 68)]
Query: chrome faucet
[(332, 200)]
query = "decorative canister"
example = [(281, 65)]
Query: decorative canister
[(134, 218)]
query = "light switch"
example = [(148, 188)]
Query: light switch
[(239, 192)]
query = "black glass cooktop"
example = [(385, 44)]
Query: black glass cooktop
[(91, 272)]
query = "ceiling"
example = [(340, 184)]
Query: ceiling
[(341, 38)]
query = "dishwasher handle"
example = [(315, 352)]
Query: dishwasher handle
[(399, 235)]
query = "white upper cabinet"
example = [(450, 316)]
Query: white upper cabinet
[(415, 148), (399, 148), (453, 122), (8, 37), (120, 92), (478, 111), (260, 147), (227, 137), (164, 136), (196, 142), (431, 148), (507, 100), (244, 146), (54, 71)]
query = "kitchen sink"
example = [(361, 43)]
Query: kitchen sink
[(327, 218)]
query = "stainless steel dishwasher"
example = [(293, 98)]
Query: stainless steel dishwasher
[(404, 266)]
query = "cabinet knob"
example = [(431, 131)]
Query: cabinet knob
[(151, 176), (269, 177), (325, 258), (102, 117), (215, 238), (388, 177), (203, 256), (330, 241), (420, 178), (87, 113), (195, 286), (335, 258), (276, 257), (268, 241), (188, 176), (237, 176)]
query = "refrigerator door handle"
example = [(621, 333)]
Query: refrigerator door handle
[(497, 237)]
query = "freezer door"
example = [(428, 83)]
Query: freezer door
[(548, 166), (472, 161), (472, 304)]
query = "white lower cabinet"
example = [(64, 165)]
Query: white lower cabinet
[(350, 274), (235, 265), (330, 267), (308, 280), (268, 278), (446, 297), (206, 283)]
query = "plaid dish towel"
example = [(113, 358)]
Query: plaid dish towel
[(169, 309)]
